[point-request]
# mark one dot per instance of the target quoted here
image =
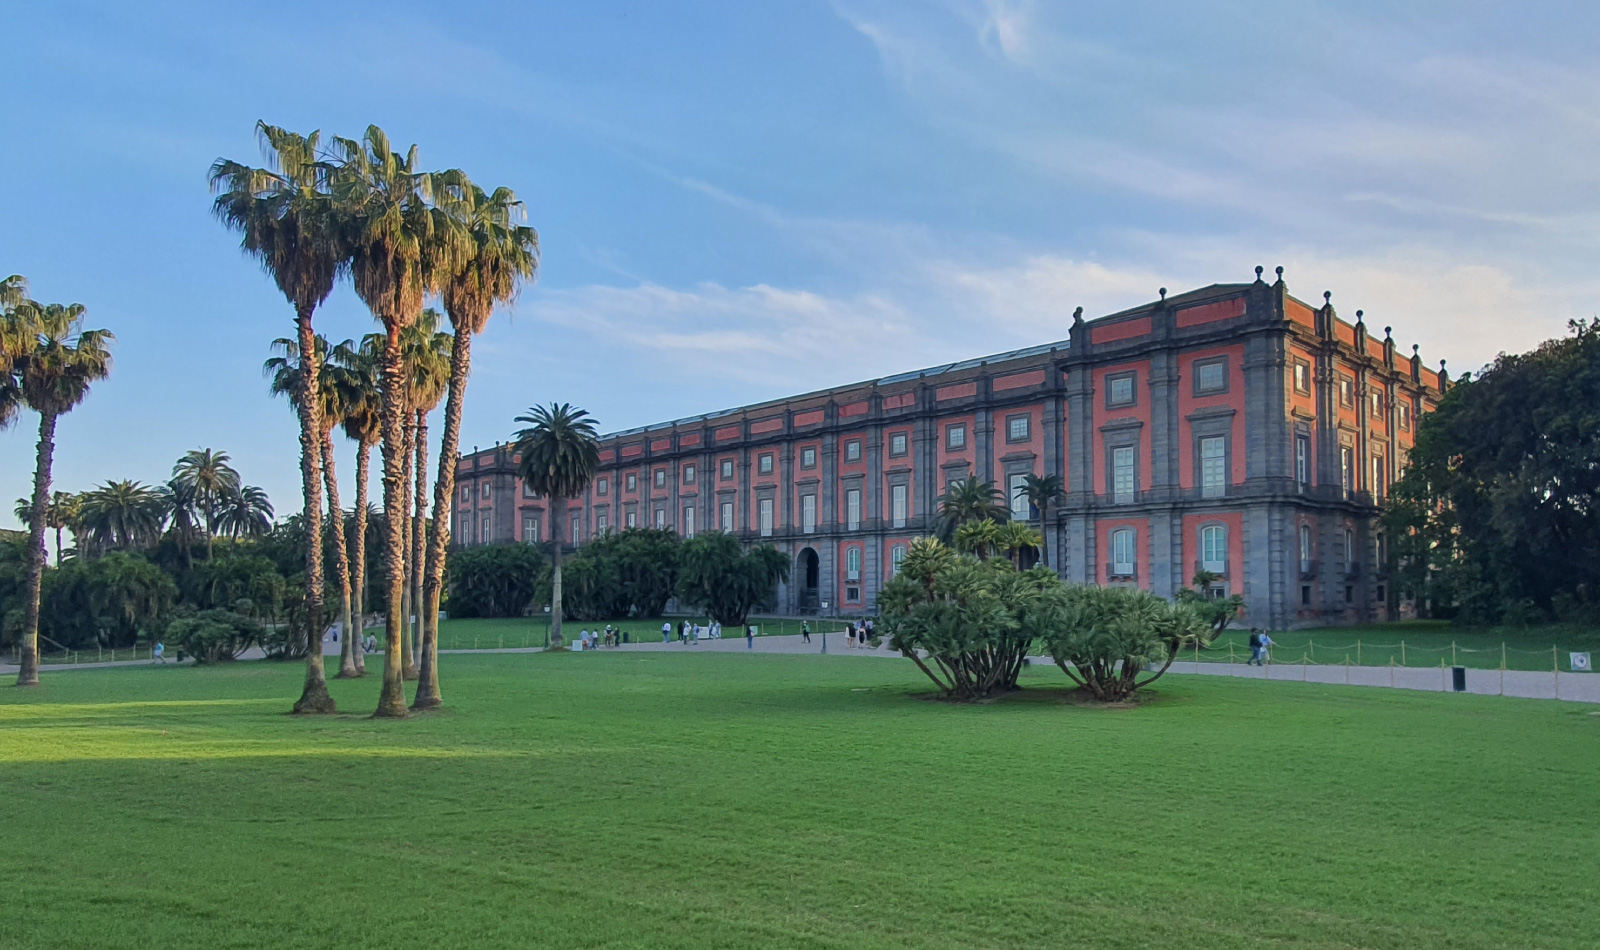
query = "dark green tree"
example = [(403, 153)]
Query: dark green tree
[(560, 454), (718, 576)]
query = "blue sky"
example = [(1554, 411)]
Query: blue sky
[(742, 201)]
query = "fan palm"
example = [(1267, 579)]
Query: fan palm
[(383, 202), (362, 423), (1042, 491), (123, 515), (427, 358), (13, 339), (246, 513), (60, 513), (57, 360), (333, 393), (209, 474), (488, 257), (560, 455), (969, 499), (179, 503), (285, 217)]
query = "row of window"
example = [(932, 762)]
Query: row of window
[(1124, 557), (1347, 395), (1378, 485), (1308, 562), (1210, 379)]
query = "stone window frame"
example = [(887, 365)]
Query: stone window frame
[(630, 515), (1347, 390), (854, 486), (530, 537), (1403, 412), (808, 457), (951, 431), (602, 486), (764, 463), (901, 439), (727, 505), (1227, 381), (1211, 425), (853, 552), (1026, 418), (1300, 364), (766, 513), (852, 450), (1132, 376), (1133, 553), (660, 522), (812, 527), (633, 481), (1200, 544), (725, 467), (1121, 437), (658, 477), (899, 479), (688, 474)]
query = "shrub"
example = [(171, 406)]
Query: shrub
[(495, 580), (1103, 638), (214, 635), (719, 576)]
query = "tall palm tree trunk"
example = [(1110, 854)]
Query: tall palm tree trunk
[(58, 547), (341, 558), (358, 555), (28, 664), (408, 648), (444, 488), (314, 696), (555, 571), (392, 698), (419, 527)]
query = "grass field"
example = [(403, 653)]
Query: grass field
[(646, 800), (479, 633)]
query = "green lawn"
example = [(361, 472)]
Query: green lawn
[(1420, 643), (649, 800), (482, 633)]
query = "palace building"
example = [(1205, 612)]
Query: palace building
[(1232, 429)]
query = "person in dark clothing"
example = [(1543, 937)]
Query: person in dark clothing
[(805, 631)]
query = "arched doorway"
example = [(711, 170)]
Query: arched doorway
[(809, 571)]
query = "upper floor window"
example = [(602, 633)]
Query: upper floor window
[(484, 491), (1379, 477), (688, 521), (1302, 376), (1018, 485), (852, 509), (1302, 460), (1124, 475), (633, 518), (688, 474), (1347, 468), (633, 482), (601, 523), (808, 514), (764, 464), (955, 437), (1404, 412), (1347, 390), (1213, 466), (661, 518), (808, 457), (1119, 390), (575, 531), (1211, 376), (852, 450), (1349, 549), (1122, 552), (725, 512), (660, 476), (764, 513), (727, 469), (1375, 398), (897, 444), (530, 528), (466, 492), (1017, 429), (601, 486), (899, 497), (484, 537)]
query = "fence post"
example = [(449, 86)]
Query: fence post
[(1453, 654), (1312, 646), (1502, 660), (1358, 651), (1555, 664), (1402, 653)]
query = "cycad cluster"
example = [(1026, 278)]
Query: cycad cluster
[(357, 208)]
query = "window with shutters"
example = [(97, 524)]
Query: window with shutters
[(808, 514), (1018, 485), (852, 564), (852, 509), (1213, 467), (765, 510), (727, 516), (1122, 552), (898, 504), (1214, 549), (688, 521), (1124, 476)]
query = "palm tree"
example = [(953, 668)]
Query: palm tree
[(427, 356), (1042, 491), (13, 340), (246, 513), (383, 201), (488, 258), (285, 217), (978, 537), (1015, 538), (182, 507), (560, 455), (210, 476), (362, 423), (56, 367), (969, 499), (122, 515), (60, 513), (332, 391)]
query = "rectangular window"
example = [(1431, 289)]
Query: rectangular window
[(1376, 400), (1347, 468), (466, 492), (1124, 481), (1214, 549), (688, 521), (1302, 376), (574, 526), (1380, 477), (955, 437), (1119, 390), (1017, 429), (896, 555), (1404, 412), (484, 536), (530, 529), (661, 478), (1347, 390), (897, 444), (727, 469), (1305, 549), (633, 482), (1213, 467), (602, 486), (808, 514), (1122, 552), (484, 491), (808, 458), (633, 519), (766, 517), (852, 450), (688, 474), (1211, 376), (764, 464), (527, 491), (602, 521), (1018, 485), (852, 509), (1302, 460), (898, 498), (727, 516), (852, 564), (661, 519)]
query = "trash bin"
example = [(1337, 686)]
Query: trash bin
[(1458, 678)]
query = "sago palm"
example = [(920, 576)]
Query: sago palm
[(488, 256), (389, 224), (560, 454), (57, 363), (284, 214), (1016, 539), (284, 370)]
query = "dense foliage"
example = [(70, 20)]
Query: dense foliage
[(495, 580), (718, 576), (211, 636), (630, 573), (1497, 516), (1103, 638)]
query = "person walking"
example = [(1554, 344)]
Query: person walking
[(1266, 649), (666, 631), (159, 654), (749, 636), (805, 631)]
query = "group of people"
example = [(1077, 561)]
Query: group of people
[(609, 637), (689, 632), (857, 634)]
